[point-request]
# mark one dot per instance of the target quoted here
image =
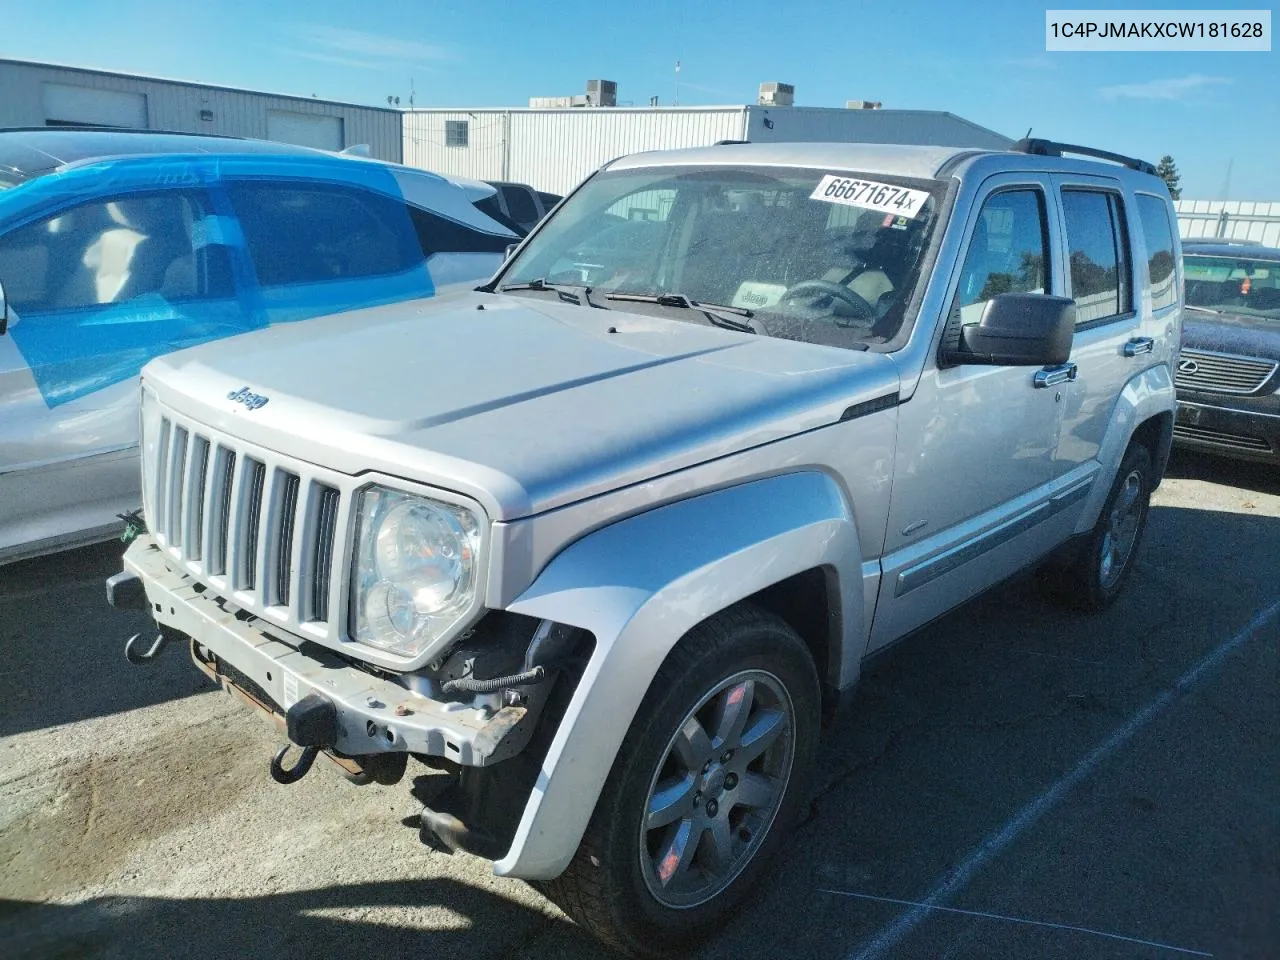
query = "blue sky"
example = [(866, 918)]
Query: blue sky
[(984, 61)]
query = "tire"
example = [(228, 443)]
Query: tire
[(652, 891), (1092, 576)]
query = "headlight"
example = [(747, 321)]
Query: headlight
[(415, 572)]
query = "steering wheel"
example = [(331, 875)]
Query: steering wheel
[(825, 288)]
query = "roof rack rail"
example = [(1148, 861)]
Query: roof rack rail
[(1050, 148)]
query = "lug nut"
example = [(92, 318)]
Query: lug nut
[(712, 808), (706, 767), (731, 781), (728, 755), (744, 835), (697, 799)]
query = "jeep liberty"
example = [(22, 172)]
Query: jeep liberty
[(594, 550)]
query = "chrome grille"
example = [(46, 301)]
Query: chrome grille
[(1237, 441), (260, 530), (1221, 372)]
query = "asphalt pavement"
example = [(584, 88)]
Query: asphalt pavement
[(1013, 781)]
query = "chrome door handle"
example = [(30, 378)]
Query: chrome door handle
[(1139, 345), (1054, 376)]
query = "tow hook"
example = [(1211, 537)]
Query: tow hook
[(281, 774), (137, 656), (312, 723)]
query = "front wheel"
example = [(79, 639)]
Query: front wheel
[(710, 778), (1094, 575)]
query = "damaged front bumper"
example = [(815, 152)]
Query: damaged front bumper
[(372, 715)]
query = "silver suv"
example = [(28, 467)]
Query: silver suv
[(600, 545)]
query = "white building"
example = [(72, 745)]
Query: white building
[(1229, 220), (554, 148), (42, 94)]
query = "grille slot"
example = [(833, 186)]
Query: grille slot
[(282, 552), (251, 522), (326, 526), (1223, 373), (195, 485), (177, 478), (220, 531), (162, 477), (1236, 441)]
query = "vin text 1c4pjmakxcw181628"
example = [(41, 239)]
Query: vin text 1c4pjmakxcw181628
[(603, 542)]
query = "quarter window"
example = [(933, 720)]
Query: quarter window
[(1008, 252), (520, 204), (1098, 252), (1158, 237)]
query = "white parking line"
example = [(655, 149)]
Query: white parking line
[(998, 842), (1034, 923)]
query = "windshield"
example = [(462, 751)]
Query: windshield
[(1234, 285), (805, 254)]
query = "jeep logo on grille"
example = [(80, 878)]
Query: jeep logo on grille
[(251, 400), (1188, 367)]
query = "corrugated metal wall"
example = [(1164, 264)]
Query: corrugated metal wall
[(818, 124), (176, 106), (1230, 219), (555, 149)]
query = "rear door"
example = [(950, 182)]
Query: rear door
[(1099, 270)]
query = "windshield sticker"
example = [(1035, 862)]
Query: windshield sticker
[(870, 195), (753, 295)]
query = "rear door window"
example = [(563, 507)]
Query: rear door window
[(305, 233), (1098, 252), (1157, 235)]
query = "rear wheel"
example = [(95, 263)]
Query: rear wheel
[(710, 778), (1092, 576)]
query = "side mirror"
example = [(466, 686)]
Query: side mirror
[(4, 312), (1017, 330)]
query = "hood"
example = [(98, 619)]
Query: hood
[(1243, 334), (522, 404)]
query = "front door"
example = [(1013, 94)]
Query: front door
[(95, 290), (975, 448)]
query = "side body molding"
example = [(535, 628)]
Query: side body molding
[(638, 586)]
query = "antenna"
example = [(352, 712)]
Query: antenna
[(677, 103), (411, 93), (1028, 136), (1226, 183)]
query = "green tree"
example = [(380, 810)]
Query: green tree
[(1167, 171)]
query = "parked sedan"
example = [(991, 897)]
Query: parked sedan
[(119, 246), (1227, 371)]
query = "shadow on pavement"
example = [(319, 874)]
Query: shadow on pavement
[(63, 645), (1245, 474), (351, 920)]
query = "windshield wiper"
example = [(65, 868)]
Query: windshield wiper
[(716, 313), (578, 293)]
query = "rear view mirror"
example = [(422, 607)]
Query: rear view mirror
[(4, 312), (1017, 330)]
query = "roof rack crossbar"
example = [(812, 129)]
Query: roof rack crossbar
[(1050, 148)]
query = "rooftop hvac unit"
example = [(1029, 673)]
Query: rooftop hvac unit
[(862, 104), (550, 103), (602, 93), (777, 95)]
